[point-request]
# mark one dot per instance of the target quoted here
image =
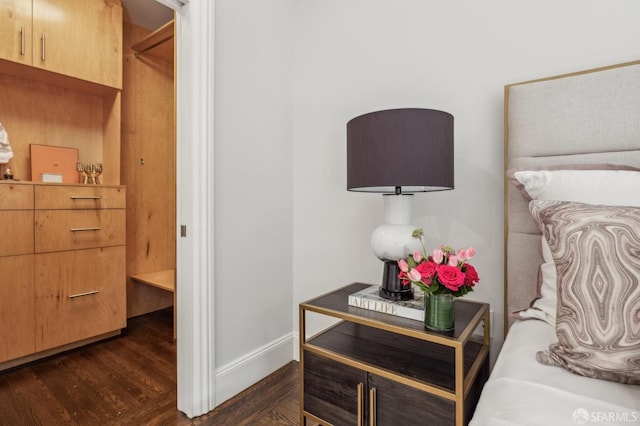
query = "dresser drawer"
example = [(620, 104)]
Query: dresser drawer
[(57, 230), (79, 197), (79, 294), (16, 196), (16, 229), (17, 336)]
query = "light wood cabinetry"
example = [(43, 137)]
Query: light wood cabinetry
[(73, 98), (16, 265), (63, 251), (15, 31), (79, 294), (81, 39), (68, 285)]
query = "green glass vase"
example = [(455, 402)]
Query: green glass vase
[(439, 314)]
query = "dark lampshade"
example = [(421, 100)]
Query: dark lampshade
[(410, 149)]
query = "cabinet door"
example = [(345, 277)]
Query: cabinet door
[(79, 294), (331, 390), (82, 39), (15, 30), (397, 404), (17, 336)]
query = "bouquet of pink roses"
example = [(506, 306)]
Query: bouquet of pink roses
[(445, 271)]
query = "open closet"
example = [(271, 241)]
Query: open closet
[(148, 166)]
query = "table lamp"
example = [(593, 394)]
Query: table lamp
[(399, 152)]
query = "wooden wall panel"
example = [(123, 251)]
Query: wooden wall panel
[(34, 112), (148, 170)]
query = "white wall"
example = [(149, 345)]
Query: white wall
[(253, 211), (357, 56), (286, 229)]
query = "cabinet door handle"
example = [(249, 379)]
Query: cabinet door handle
[(95, 228), (360, 404), (88, 293), (43, 55), (22, 41), (85, 197), (372, 407)]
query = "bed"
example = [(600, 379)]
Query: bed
[(572, 227)]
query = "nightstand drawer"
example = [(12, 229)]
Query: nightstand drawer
[(79, 197), (58, 230), (79, 294)]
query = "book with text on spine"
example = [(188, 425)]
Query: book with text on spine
[(368, 298)]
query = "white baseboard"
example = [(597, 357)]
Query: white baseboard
[(238, 375)]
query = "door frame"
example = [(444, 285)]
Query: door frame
[(194, 74)]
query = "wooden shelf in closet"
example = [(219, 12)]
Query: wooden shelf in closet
[(159, 43), (165, 280)]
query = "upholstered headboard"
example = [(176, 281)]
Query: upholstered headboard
[(589, 117)]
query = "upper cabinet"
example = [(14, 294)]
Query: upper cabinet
[(15, 30), (80, 39)]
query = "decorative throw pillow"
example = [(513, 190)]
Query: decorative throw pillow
[(608, 184), (596, 250)]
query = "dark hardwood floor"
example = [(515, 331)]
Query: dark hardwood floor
[(131, 380)]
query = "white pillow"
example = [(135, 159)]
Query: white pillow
[(609, 186), (605, 187)]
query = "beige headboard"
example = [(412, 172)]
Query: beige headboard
[(588, 117)]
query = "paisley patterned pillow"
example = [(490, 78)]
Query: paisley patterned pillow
[(596, 250)]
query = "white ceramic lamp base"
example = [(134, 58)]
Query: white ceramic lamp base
[(392, 241)]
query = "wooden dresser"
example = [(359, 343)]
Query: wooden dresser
[(63, 267)]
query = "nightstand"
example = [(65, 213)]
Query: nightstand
[(379, 369)]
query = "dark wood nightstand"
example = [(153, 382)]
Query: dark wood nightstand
[(379, 369)]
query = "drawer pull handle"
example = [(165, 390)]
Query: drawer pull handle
[(22, 41), (85, 197), (372, 406), (360, 420), (96, 228), (88, 293)]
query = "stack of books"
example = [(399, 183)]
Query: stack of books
[(368, 298)]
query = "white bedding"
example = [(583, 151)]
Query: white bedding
[(521, 391)]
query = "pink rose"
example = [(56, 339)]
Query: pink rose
[(438, 256), (427, 271), (403, 265), (417, 256), (453, 260), (470, 275), (450, 276)]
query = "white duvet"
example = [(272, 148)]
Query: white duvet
[(521, 391)]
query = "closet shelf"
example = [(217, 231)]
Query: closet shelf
[(165, 280), (160, 40)]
